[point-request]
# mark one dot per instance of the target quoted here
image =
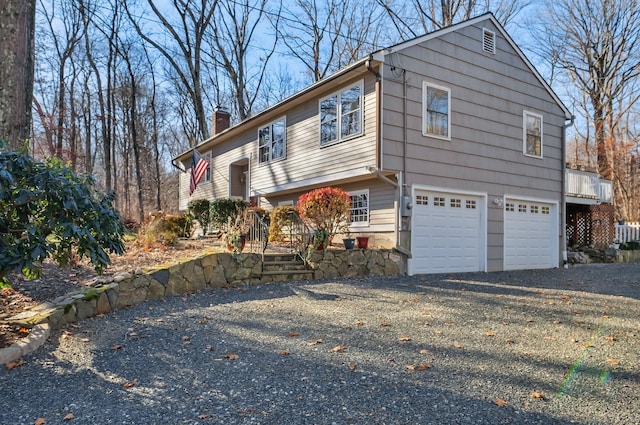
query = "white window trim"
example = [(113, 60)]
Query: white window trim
[(339, 115), (207, 175), (270, 124), (361, 224), (524, 135), (425, 85)]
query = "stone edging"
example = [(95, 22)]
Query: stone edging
[(215, 270), (26, 345)]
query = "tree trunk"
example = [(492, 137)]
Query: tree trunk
[(17, 23)]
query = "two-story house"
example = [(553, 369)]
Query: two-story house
[(450, 144)]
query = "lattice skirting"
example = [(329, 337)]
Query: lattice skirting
[(590, 225)]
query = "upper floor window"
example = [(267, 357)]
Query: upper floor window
[(272, 141), (341, 115), (436, 109), (532, 143), (359, 207)]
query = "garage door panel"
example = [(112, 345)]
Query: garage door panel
[(530, 240), (446, 233)]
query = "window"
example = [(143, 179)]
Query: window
[(422, 200), (272, 141), (534, 209), (438, 201), (488, 41), (545, 210), (471, 204), (522, 208), (360, 207), (455, 203), (341, 115), (509, 207), (207, 174), (436, 105), (532, 144)]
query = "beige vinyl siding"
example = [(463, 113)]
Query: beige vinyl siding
[(382, 197), (488, 96), (203, 191), (305, 158)]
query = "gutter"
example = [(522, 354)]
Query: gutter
[(564, 183)]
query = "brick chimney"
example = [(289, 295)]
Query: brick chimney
[(221, 120)]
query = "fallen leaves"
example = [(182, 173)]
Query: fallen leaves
[(293, 334), (405, 338), (420, 367), (384, 324), (14, 364), (339, 348), (40, 421), (231, 356), (538, 395), (130, 384), (116, 347), (68, 417), (285, 352), (316, 342), (490, 334), (500, 402), (613, 362)]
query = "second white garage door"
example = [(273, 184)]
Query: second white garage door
[(447, 233), (530, 236)]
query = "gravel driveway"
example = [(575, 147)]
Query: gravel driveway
[(532, 347)]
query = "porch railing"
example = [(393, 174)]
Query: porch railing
[(300, 235), (258, 236), (627, 232)]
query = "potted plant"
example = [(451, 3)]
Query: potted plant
[(321, 239), (363, 241), (236, 231), (348, 242)]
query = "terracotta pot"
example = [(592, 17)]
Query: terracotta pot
[(363, 241)]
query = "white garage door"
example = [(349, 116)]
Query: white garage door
[(447, 233), (530, 236)]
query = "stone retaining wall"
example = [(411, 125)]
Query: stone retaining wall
[(210, 271)]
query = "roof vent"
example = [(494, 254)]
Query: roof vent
[(488, 41)]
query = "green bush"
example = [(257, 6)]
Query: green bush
[(200, 209), (225, 210), (47, 211), (630, 246)]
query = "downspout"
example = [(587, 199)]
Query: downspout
[(564, 189)]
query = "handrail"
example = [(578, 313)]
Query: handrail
[(258, 235), (300, 235)]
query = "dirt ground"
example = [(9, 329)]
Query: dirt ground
[(25, 294)]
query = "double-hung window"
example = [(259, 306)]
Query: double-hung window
[(207, 174), (532, 137), (341, 115), (359, 208), (436, 111), (272, 141)]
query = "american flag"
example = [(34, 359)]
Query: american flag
[(198, 168)]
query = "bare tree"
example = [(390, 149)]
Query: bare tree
[(327, 35), (597, 44), (182, 45), (412, 18), (236, 26), (17, 26)]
